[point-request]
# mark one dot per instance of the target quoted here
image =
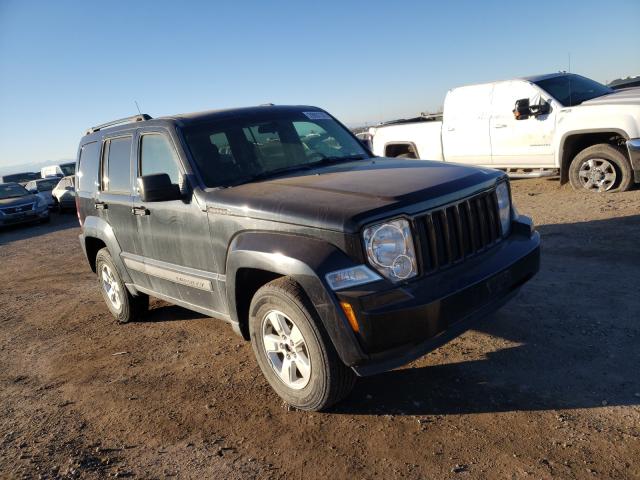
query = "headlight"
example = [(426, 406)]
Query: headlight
[(390, 249), (504, 206)]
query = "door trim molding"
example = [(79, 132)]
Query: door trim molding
[(190, 277)]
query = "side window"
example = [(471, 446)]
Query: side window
[(158, 156), (117, 174), (88, 167), (506, 94)]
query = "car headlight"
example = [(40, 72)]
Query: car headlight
[(390, 250), (504, 206)]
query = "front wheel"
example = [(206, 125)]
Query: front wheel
[(601, 168), (292, 349), (124, 306)]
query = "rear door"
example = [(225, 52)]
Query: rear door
[(520, 143), (465, 126), (114, 199), (176, 249)]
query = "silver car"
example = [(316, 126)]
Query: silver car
[(43, 187), (65, 193)]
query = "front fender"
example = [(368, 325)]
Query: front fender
[(307, 261)]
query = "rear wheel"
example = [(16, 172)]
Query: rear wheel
[(601, 168), (124, 306), (292, 349)]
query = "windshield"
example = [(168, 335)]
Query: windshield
[(571, 89), (68, 169), (46, 185), (12, 190), (240, 149)]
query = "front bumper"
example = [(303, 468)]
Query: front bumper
[(23, 217), (633, 146), (400, 324)]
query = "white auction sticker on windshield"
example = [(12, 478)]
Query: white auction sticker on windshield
[(317, 115)]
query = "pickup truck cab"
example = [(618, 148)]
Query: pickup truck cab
[(530, 126), (276, 219)]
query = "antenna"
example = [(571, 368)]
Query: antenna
[(138, 107), (569, 62)]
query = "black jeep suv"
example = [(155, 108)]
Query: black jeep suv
[(276, 219)]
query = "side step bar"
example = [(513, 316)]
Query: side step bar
[(531, 172)]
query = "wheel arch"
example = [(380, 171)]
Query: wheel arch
[(97, 234), (575, 141), (256, 258)]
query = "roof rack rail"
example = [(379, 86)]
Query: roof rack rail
[(135, 118)]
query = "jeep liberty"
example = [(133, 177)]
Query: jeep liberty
[(333, 263)]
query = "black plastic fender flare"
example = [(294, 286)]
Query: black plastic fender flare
[(307, 260), (96, 227)]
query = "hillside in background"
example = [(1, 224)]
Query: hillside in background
[(31, 167)]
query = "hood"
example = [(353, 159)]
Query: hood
[(345, 196), (16, 202), (626, 96)]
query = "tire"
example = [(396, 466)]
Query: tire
[(601, 168), (127, 307), (328, 380)]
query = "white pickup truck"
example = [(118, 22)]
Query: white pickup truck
[(558, 123)]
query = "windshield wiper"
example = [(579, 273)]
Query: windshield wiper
[(295, 168), (269, 174)]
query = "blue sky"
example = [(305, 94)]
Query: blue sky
[(65, 65)]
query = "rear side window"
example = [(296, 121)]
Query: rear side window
[(88, 169), (117, 174), (158, 156)]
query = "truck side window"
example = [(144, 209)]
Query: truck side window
[(118, 167), (158, 156), (88, 167)]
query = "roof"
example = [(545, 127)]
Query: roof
[(546, 76), (209, 115)]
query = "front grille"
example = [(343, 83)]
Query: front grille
[(18, 209), (457, 231)]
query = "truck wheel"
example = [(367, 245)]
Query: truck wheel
[(124, 306), (294, 352), (601, 168)]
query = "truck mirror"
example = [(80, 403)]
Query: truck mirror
[(158, 188), (522, 110)]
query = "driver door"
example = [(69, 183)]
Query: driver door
[(526, 142)]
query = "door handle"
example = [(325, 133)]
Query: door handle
[(140, 211), (100, 206), (451, 129), (500, 125)]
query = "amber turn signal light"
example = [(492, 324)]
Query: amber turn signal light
[(351, 316)]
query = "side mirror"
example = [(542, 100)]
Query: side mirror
[(522, 110), (69, 188), (158, 188), (541, 109)]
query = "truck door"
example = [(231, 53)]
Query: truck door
[(176, 249), (465, 126), (520, 143)]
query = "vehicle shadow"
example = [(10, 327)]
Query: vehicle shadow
[(57, 223), (568, 340), (165, 312)]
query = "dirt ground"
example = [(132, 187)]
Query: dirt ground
[(549, 387)]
